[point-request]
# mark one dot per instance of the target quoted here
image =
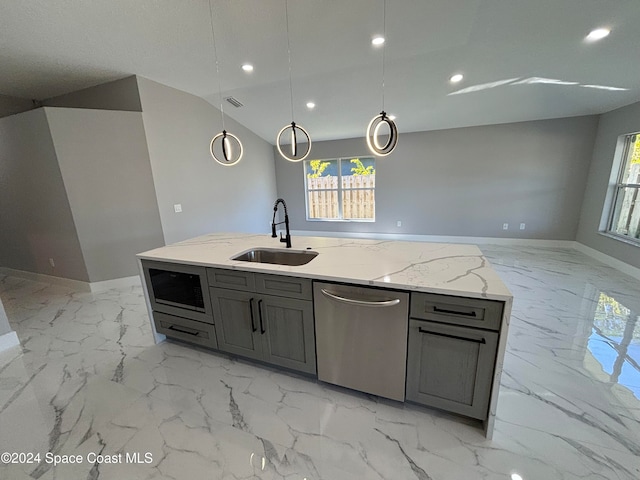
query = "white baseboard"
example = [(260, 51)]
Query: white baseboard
[(123, 282), (73, 284), (40, 277), (9, 340), (608, 260), (439, 238)]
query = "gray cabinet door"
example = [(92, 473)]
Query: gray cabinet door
[(236, 324), (451, 367), (288, 338)]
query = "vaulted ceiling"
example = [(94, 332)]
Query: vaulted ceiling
[(521, 59)]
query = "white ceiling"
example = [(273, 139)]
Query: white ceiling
[(52, 47)]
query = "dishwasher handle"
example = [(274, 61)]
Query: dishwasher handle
[(360, 303)]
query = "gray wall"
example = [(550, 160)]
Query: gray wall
[(214, 198), (467, 181), (598, 192), (105, 166), (35, 217), (12, 105), (117, 95)]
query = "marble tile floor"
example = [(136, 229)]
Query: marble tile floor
[(88, 381)]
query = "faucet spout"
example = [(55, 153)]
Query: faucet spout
[(287, 238)]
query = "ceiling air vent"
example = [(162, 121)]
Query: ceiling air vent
[(234, 101)]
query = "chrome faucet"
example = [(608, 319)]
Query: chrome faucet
[(287, 238)]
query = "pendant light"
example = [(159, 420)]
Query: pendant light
[(225, 148), (296, 133), (379, 122)]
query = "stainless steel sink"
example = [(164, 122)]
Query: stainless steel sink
[(274, 256)]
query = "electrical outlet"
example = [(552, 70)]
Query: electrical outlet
[(52, 263), (398, 223), (522, 226), (177, 207), (505, 226)]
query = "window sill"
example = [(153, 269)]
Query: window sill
[(621, 238), (342, 220)]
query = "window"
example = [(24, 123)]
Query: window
[(625, 215), (341, 189)]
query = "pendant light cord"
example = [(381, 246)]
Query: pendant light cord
[(286, 14), (384, 33), (215, 52)]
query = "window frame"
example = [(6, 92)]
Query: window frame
[(618, 187), (339, 190)]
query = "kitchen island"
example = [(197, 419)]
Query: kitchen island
[(457, 316)]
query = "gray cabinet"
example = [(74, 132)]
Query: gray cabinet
[(450, 365), (289, 338), (185, 329), (179, 299), (235, 322), (275, 329)]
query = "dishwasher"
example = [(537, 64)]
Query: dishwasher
[(361, 338)]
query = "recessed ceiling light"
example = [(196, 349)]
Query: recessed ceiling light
[(311, 105), (597, 34), (456, 78), (247, 67), (392, 117), (377, 41), (515, 476)]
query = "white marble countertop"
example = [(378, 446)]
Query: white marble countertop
[(443, 268)]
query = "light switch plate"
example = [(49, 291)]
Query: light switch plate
[(177, 207)]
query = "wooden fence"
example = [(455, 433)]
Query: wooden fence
[(358, 197)]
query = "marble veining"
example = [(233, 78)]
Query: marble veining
[(88, 378), (428, 267)]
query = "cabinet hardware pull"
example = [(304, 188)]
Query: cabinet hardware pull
[(262, 330), (453, 312), (482, 340), (361, 303), (253, 325), (188, 331)]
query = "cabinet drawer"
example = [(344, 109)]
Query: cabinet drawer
[(233, 279), (471, 312), (290, 287), (184, 329)]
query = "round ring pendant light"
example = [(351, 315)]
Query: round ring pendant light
[(373, 135), (295, 155), (379, 122), (293, 129), (226, 149)]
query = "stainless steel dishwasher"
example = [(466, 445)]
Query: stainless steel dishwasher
[(361, 338)]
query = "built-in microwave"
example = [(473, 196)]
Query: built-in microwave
[(178, 289)]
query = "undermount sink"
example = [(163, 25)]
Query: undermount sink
[(274, 256)]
